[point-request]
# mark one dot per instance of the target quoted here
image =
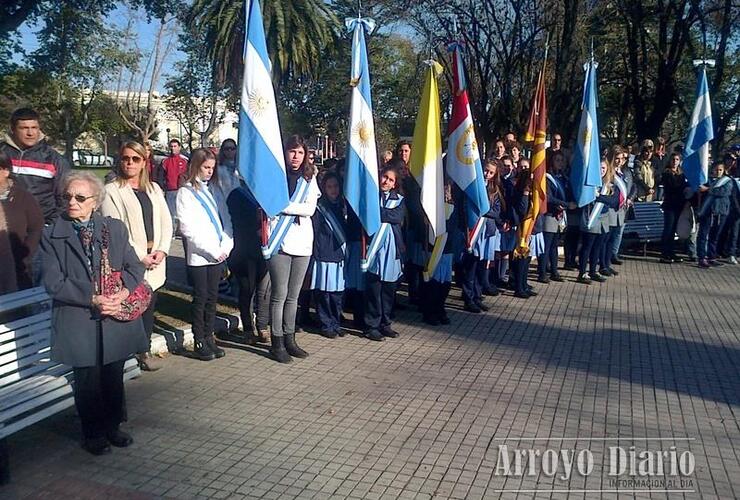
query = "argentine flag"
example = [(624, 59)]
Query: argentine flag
[(585, 173), (701, 131), (261, 159), (361, 174), (463, 160)]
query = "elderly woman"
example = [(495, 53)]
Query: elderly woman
[(139, 203), (83, 333)]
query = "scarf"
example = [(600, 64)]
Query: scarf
[(85, 232)]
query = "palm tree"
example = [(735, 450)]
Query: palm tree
[(298, 32)]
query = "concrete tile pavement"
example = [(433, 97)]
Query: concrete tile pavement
[(650, 359)]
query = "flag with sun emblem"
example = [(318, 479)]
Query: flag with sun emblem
[(463, 160), (585, 173), (261, 159), (361, 174)]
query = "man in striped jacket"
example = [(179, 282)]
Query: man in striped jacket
[(36, 164)]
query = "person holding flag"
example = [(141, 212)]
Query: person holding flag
[(713, 211), (701, 133), (465, 170)]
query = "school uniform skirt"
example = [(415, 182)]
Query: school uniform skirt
[(508, 241), (387, 263), (537, 245), (354, 277), (328, 276), (486, 247)]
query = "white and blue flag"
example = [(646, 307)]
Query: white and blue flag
[(261, 159), (585, 172), (361, 188), (701, 132)]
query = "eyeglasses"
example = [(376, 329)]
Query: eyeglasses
[(131, 159), (77, 197)]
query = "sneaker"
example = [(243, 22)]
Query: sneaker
[(556, 277), (677, 260), (214, 348), (704, 263), (732, 260), (389, 332), (617, 261), (613, 272), (666, 260), (597, 277), (374, 335), (605, 272), (584, 279), (329, 334), (472, 308), (543, 279), (521, 295)]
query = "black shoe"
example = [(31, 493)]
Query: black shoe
[(614, 273), (96, 446), (570, 267), (430, 320), (556, 277), (444, 319), (543, 279), (120, 439), (491, 292), (215, 349), (292, 347), (666, 260), (202, 352), (329, 334), (374, 335), (597, 277), (277, 349), (617, 261), (584, 279), (339, 331), (531, 292), (389, 332), (605, 272), (677, 260), (482, 306), (472, 308), (521, 295)]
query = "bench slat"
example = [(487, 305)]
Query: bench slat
[(9, 328), (37, 399), (37, 336), (15, 300), (30, 384), (36, 417), (18, 360)]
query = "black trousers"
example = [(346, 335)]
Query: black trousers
[(519, 270), (570, 245), (148, 319), (413, 275), (435, 295), (99, 398), (355, 301), (379, 297), (250, 274), (205, 298), (471, 286), (590, 254), (329, 309), (549, 261), (668, 240)]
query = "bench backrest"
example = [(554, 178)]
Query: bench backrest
[(647, 224), (25, 331)]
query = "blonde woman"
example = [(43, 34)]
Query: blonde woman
[(141, 206)]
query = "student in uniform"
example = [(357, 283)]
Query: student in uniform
[(554, 221), (593, 235), (607, 252), (437, 287), (536, 243), (490, 242), (507, 241), (384, 257), (329, 249), (715, 206)]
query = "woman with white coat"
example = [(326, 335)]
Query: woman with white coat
[(289, 249), (206, 228), (140, 204)]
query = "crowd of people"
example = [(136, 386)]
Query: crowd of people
[(104, 246)]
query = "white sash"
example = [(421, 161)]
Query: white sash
[(277, 235), (379, 236)]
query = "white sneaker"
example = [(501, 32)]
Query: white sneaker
[(732, 260)]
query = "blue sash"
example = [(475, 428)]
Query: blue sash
[(377, 240), (277, 235), (597, 208), (558, 186), (334, 224), (707, 201), (210, 208)]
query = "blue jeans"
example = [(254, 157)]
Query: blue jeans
[(617, 240), (709, 228), (607, 250)]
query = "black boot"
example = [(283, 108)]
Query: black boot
[(278, 350), (215, 349), (292, 347), (202, 352)]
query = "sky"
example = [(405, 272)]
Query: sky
[(147, 34)]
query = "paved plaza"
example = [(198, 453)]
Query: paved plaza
[(649, 360)]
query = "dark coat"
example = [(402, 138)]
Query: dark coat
[(395, 217), (246, 221), (493, 217), (74, 322), (674, 191), (24, 222), (326, 244)]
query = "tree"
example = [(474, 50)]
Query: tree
[(298, 32)]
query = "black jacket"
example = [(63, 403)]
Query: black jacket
[(394, 217), (493, 217), (674, 185), (247, 225), (39, 169), (326, 244)]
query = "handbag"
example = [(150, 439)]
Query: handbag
[(111, 283)]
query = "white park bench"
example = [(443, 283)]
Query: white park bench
[(32, 386)]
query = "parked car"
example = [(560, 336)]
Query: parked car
[(86, 158)]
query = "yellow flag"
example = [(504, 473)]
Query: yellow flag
[(426, 156)]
